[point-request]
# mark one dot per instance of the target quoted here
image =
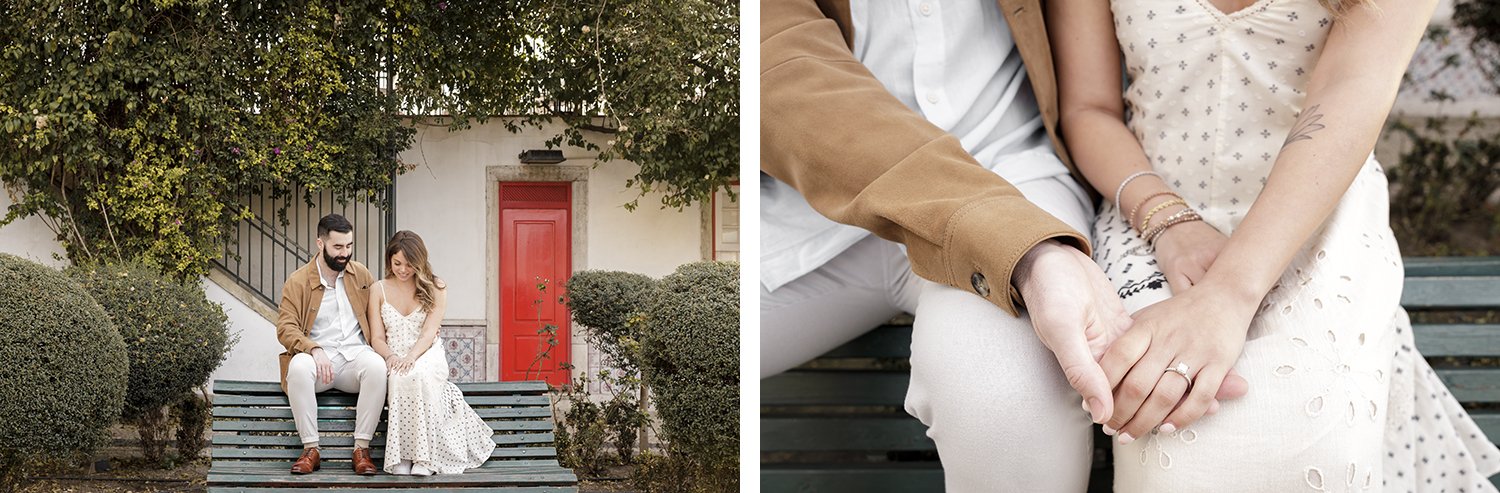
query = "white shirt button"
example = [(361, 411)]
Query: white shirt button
[(932, 97), (926, 8)]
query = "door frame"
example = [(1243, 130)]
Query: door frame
[(576, 174)]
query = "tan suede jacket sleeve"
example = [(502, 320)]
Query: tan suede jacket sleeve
[(291, 315), (832, 131)]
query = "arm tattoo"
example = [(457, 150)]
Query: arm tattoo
[(1305, 126)]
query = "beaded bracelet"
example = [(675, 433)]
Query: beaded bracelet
[(1182, 216), (1138, 174), (1158, 208), (1137, 210)]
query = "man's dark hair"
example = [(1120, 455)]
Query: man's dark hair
[(333, 222)]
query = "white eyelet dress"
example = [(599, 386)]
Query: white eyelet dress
[(1339, 399), (428, 421)]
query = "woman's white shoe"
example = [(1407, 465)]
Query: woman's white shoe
[(402, 468), (420, 470)]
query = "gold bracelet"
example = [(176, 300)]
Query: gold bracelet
[(1182, 216), (1137, 210), (1158, 208)]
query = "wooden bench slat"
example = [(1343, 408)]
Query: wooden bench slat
[(834, 388), (1425, 293), (1489, 422), (1438, 340), (321, 489), (242, 387), (349, 414), (280, 463), (345, 453), (1451, 266), (293, 441), (348, 426), (886, 341), (841, 478), (344, 477), (342, 399), (1473, 384), (844, 433)]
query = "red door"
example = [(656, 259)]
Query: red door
[(535, 251)]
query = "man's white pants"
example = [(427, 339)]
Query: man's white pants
[(364, 375), (994, 400)]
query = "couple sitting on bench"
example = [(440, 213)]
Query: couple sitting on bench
[(343, 330)]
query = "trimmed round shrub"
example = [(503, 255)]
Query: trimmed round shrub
[(691, 356), (174, 336), (608, 303), (65, 367)]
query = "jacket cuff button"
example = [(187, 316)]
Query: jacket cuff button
[(980, 286)]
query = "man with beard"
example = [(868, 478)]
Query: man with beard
[(323, 325)]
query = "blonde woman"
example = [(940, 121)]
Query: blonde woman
[(1246, 229), (430, 427)]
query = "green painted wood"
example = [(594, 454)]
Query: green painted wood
[(1489, 423), (293, 441), (842, 478), (346, 400), (348, 426), (516, 489), (345, 453), (321, 478), (843, 433), (1451, 266), (807, 388), (1458, 339), (886, 341), (1473, 384), (242, 387), (1427, 293), (349, 414), (341, 464)]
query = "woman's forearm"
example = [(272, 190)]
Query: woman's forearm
[(1348, 99)]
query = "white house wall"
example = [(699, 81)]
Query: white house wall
[(30, 238), (444, 199)]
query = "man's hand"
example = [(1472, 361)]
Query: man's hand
[(1076, 314), (325, 366)]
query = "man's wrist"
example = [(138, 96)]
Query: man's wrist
[(1021, 275)]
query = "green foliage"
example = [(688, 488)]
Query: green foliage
[(691, 357), (66, 368), (581, 433), (175, 337), (609, 303), (192, 415), (661, 76), (1443, 189)]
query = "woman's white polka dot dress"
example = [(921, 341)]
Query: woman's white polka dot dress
[(428, 421), (1339, 399)]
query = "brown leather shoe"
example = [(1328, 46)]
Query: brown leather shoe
[(362, 464), (310, 461)]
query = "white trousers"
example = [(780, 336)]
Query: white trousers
[(364, 375), (994, 400)]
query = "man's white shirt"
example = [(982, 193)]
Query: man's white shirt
[(336, 329), (955, 63)]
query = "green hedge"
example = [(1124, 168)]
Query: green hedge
[(175, 337), (65, 367), (608, 302), (691, 357)]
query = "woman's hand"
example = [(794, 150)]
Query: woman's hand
[(1203, 328), (1184, 253), (398, 365)]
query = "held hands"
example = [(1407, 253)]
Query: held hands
[(1064, 292), (396, 364), (1203, 328)]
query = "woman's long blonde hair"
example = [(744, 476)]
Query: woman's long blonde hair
[(1341, 7), (410, 245)]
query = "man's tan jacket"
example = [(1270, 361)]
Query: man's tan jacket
[(301, 297), (832, 131)]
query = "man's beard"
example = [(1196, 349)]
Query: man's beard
[(335, 263)]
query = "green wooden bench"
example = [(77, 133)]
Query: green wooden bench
[(255, 441), (838, 424)]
